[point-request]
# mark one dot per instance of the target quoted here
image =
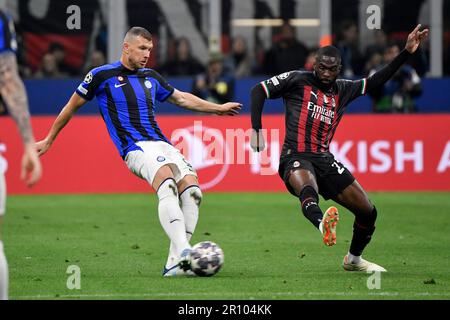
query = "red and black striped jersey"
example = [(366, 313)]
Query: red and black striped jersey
[(313, 109)]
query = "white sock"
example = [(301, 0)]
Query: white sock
[(190, 200), (172, 259), (321, 227), (171, 216), (354, 259), (3, 274)]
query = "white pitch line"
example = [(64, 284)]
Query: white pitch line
[(178, 294)]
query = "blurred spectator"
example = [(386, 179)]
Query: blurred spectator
[(373, 62), (239, 62), (375, 51), (49, 68), (347, 43), (24, 69), (286, 54), (58, 51), (184, 63), (96, 59), (214, 85), (379, 45), (397, 94), (310, 60)]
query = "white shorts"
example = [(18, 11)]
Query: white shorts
[(155, 154), (2, 193)]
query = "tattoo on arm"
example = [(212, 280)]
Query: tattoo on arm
[(14, 95)]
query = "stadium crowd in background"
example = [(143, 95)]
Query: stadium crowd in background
[(244, 55), (287, 52)]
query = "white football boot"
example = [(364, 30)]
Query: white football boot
[(182, 268), (363, 265)]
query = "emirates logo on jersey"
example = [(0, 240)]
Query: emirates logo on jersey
[(321, 112)]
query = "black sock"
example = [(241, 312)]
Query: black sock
[(363, 229), (309, 200)]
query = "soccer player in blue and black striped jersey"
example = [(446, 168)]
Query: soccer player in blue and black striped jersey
[(127, 94), (14, 97)]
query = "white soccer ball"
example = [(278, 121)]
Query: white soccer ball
[(206, 258)]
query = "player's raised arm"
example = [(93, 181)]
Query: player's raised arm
[(383, 75), (63, 118), (189, 101)]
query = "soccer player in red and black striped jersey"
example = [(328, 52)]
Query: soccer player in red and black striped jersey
[(314, 105)]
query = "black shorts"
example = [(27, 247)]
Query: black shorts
[(332, 176)]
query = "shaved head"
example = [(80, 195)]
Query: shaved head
[(329, 55), (137, 31)]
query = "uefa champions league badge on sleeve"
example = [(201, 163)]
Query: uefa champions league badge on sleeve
[(88, 78)]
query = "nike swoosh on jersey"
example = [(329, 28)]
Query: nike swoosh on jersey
[(119, 85)]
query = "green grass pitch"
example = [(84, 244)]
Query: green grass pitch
[(271, 250)]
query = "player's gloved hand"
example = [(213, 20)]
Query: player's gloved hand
[(257, 142)]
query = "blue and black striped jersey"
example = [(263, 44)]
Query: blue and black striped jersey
[(127, 102), (8, 40)]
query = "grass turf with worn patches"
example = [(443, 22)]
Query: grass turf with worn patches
[(271, 250)]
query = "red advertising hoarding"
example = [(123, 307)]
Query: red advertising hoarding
[(384, 152)]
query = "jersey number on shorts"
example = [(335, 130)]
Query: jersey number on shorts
[(340, 169)]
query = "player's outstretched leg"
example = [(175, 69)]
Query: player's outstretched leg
[(356, 200), (325, 222), (190, 197), (304, 184), (363, 229), (171, 218), (190, 200)]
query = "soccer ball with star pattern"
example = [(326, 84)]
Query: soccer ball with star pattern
[(206, 259)]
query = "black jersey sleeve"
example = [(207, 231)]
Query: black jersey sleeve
[(380, 77), (277, 86), (273, 88), (258, 97), (351, 89)]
